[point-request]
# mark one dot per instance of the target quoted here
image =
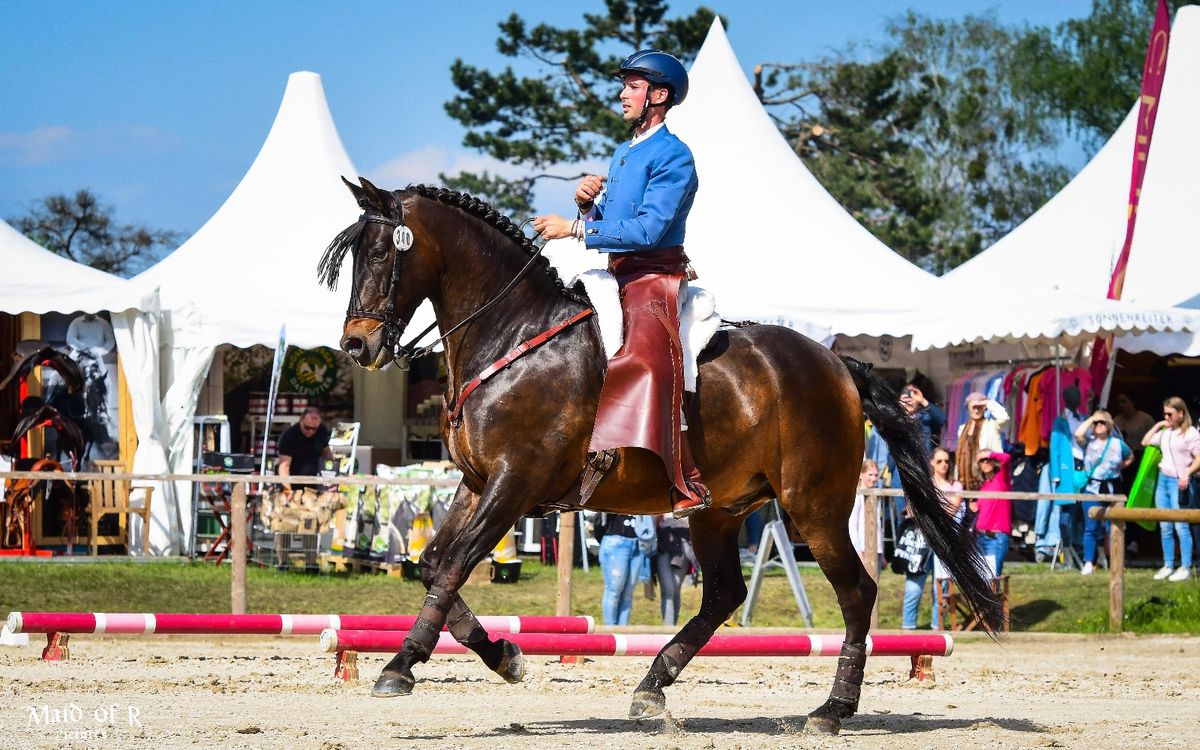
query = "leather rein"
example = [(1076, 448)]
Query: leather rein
[(393, 324)]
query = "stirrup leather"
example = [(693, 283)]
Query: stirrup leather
[(598, 464)]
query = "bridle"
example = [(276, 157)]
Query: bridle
[(393, 324)]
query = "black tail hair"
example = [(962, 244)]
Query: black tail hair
[(907, 444)]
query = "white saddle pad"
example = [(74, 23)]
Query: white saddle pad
[(698, 320)]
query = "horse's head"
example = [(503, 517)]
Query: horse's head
[(390, 276)]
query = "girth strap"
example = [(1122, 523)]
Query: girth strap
[(519, 351)]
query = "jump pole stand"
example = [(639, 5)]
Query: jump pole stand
[(776, 532), (237, 576)]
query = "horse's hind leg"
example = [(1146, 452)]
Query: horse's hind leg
[(471, 529), (714, 538), (829, 541)]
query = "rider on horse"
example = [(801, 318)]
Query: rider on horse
[(639, 220)]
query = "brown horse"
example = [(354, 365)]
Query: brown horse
[(775, 415)]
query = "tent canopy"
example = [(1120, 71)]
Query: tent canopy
[(36, 280), (252, 267)]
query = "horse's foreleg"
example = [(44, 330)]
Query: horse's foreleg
[(714, 538), (470, 530), (856, 591)]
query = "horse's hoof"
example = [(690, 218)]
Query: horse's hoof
[(647, 703), (822, 725), (392, 685), (512, 663)]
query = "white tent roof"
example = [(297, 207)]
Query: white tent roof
[(1073, 241), (763, 234), (1063, 255), (36, 280), (253, 265)]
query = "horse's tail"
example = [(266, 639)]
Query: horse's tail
[(953, 544)]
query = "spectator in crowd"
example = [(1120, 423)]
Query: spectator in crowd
[(914, 583), (672, 563), (993, 525), (303, 447), (1180, 445), (867, 478), (626, 543), (981, 433), (1104, 455), (930, 416), (1132, 422)]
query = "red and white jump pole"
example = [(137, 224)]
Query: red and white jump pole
[(59, 625), (609, 644), (346, 644)]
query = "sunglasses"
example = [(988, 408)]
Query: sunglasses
[(941, 460)]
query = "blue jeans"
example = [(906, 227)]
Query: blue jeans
[(995, 546), (914, 587), (1093, 531), (621, 563), (1166, 495), (754, 527), (1046, 526)]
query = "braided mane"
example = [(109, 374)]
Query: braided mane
[(486, 213), (331, 261)]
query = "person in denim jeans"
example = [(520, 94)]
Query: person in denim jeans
[(622, 559), (914, 583), (1180, 444), (1104, 456)]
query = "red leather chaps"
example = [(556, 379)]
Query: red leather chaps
[(643, 391)]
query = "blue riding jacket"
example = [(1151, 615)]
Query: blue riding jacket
[(649, 193)]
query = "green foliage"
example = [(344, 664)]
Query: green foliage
[(1088, 71), (928, 145), (80, 228), (563, 111)]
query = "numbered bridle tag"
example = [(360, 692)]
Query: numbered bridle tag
[(402, 238)]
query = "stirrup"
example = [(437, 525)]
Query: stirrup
[(683, 506), (598, 464)]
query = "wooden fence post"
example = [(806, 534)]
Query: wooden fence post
[(871, 547), (1116, 577), (566, 561), (237, 522)]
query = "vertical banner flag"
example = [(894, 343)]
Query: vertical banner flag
[(1153, 74), (276, 371)]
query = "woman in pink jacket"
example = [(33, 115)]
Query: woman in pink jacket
[(993, 525)]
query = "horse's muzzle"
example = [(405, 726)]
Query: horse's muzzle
[(364, 342)]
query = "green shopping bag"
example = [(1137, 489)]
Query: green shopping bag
[(1141, 494)]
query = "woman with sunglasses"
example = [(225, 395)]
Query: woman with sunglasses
[(1104, 456), (1180, 444), (914, 583)]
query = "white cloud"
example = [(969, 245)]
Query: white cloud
[(57, 143), (41, 145)]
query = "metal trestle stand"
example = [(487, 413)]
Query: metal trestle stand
[(775, 532)]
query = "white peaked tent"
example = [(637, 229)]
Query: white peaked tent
[(248, 271), (764, 235), (253, 266), (38, 281), (1072, 243)]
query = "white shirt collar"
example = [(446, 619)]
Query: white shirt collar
[(639, 138)]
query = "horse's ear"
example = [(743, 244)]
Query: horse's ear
[(375, 197), (359, 196)]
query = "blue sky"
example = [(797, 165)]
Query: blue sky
[(161, 107)]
